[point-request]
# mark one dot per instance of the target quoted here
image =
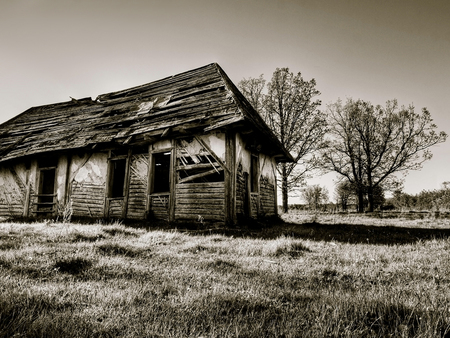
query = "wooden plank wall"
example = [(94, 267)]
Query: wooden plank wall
[(200, 201), (12, 194), (115, 207), (254, 204), (87, 199), (159, 206), (137, 198), (11, 204), (240, 189), (267, 197)]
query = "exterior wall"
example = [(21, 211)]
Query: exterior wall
[(267, 186), (201, 183), (200, 180), (159, 203), (200, 202), (13, 189), (242, 172), (137, 200), (263, 201), (87, 182)]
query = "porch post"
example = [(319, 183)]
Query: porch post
[(230, 178)]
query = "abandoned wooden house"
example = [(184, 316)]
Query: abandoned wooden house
[(185, 148)]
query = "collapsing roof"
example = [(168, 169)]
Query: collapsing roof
[(198, 100)]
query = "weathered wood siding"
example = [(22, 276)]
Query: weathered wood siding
[(266, 197), (115, 207), (87, 199), (88, 184), (240, 190), (200, 201), (137, 200), (159, 206), (254, 204), (12, 191), (262, 201)]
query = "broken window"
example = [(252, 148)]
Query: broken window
[(254, 173), (161, 172), (197, 164), (117, 178)]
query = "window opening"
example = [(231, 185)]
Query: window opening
[(118, 169), (195, 164), (254, 173), (161, 172)]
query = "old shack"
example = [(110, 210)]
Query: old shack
[(185, 148)]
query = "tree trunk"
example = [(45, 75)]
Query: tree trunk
[(284, 187), (360, 200), (370, 189), (370, 198)]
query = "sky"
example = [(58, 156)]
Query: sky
[(51, 50)]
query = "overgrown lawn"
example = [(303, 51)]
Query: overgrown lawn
[(292, 280)]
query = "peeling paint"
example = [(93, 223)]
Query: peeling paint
[(162, 145), (93, 171), (216, 142)]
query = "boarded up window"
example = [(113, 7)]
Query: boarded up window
[(161, 172)]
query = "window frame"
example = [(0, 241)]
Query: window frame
[(154, 176), (112, 177)]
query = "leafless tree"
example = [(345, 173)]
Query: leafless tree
[(290, 108), (369, 144), (315, 196)]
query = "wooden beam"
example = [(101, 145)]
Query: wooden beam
[(126, 187), (128, 140), (193, 177), (212, 153), (173, 181), (108, 186), (165, 132), (230, 179), (198, 166)]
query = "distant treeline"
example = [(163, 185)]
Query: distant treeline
[(426, 200), (432, 200)]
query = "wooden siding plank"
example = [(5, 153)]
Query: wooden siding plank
[(195, 200), (218, 196), (195, 217), (206, 185)]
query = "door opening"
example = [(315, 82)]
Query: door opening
[(46, 195)]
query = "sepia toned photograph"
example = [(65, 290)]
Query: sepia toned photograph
[(208, 169)]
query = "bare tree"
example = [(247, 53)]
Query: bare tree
[(290, 109), (315, 196), (253, 90), (369, 144), (343, 194)]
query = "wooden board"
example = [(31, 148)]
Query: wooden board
[(200, 199)]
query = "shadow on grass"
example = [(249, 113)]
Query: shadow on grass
[(272, 228), (368, 234), (344, 233)]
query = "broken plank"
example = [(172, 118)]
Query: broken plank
[(193, 177)]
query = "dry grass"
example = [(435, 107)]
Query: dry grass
[(292, 280)]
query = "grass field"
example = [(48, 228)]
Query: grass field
[(322, 276)]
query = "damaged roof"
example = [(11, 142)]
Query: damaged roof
[(199, 100)]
